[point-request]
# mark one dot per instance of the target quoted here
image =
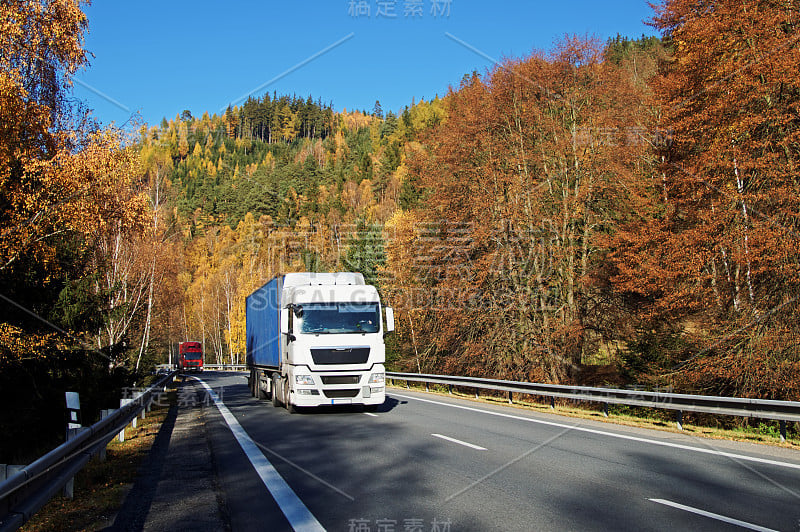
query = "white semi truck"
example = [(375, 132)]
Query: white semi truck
[(317, 339)]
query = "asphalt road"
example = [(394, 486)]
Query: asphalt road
[(427, 463)]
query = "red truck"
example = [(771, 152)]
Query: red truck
[(190, 356)]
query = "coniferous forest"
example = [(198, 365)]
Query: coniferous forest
[(619, 212)]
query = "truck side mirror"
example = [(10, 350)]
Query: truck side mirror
[(285, 320), (389, 319), (286, 325)]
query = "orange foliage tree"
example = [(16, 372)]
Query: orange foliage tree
[(720, 253), (62, 182), (531, 169)]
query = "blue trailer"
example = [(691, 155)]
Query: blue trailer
[(263, 327)]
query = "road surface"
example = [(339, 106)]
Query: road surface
[(424, 462)]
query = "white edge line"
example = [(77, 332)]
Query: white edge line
[(614, 435), (465, 444), (718, 517), (298, 515)]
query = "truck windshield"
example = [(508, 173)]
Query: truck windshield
[(193, 356), (340, 318)]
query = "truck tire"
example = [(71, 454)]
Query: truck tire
[(288, 397), (275, 401)]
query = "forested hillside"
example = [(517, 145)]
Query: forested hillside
[(280, 184), (629, 205)]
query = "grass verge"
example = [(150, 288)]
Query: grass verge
[(101, 487)]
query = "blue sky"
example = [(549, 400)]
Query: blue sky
[(159, 57)]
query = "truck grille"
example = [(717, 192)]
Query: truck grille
[(341, 355), (340, 394), (340, 379)]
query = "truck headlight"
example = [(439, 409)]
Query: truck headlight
[(304, 379), (376, 378)]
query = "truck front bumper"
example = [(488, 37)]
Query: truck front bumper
[(365, 395)]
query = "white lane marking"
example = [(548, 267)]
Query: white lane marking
[(371, 414), (465, 444), (290, 504), (613, 435), (718, 517)]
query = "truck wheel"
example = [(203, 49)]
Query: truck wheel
[(275, 401), (287, 396)]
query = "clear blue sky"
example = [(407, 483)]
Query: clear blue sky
[(159, 57)]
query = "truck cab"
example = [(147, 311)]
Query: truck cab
[(190, 356)]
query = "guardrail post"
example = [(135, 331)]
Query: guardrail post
[(552, 403), (477, 393), (783, 430), (427, 389), (102, 454), (679, 420), (69, 487), (605, 409), (450, 389), (511, 398), (123, 402)]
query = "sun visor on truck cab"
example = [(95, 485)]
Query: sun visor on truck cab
[(317, 279), (330, 294)]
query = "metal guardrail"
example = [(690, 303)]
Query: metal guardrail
[(782, 411), (24, 493), (226, 367)]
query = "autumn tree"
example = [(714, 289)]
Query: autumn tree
[(522, 181), (40, 49), (183, 140), (63, 184), (720, 255)]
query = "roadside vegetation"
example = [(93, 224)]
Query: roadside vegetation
[(101, 487)]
